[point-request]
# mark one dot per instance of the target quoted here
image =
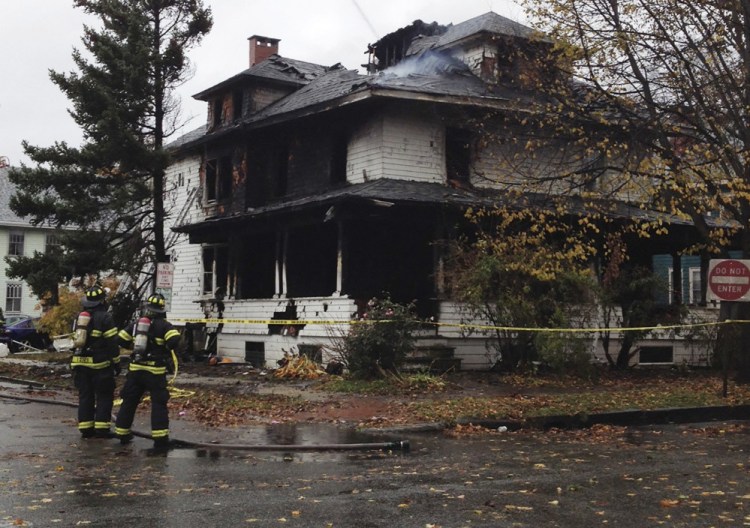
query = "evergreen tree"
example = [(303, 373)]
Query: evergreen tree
[(106, 196)]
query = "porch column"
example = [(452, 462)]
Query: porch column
[(284, 251), (282, 238), (676, 279), (438, 261), (339, 259)]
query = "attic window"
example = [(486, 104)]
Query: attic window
[(218, 106), (237, 100)]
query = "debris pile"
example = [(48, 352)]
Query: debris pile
[(298, 367)]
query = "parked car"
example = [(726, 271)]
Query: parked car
[(21, 332), (14, 318)]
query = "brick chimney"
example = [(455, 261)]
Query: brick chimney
[(261, 48)]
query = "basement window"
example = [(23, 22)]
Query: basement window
[(656, 355), (255, 353)]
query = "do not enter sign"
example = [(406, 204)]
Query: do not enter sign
[(729, 280)]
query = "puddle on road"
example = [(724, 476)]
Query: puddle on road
[(317, 442)]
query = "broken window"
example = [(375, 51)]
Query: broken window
[(211, 180), (215, 269), (281, 172), (458, 154), (311, 253), (237, 106), (218, 106), (256, 266), (377, 250), (218, 179), (338, 159)]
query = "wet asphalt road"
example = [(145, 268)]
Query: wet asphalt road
[(687, 475)]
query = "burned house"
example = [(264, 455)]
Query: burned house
[(312, 189)]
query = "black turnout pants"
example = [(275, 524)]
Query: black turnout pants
[(96, 391), (137, 383)]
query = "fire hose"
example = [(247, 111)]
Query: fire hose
[(401, 445)]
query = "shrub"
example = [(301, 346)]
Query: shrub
[(380, 340)]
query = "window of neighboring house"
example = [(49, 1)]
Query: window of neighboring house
[(15, 244), (218, 179), (694, 275), (237, 100), (13, 297), (218, 107), (457, 154), (215, 268), (51, 242)]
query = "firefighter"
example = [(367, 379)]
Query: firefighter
[(154, 341), (95, 364)]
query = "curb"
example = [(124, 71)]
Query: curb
[(627, 417)]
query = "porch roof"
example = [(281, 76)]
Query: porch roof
[(389, 192)]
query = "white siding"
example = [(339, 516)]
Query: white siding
[(325, 311), (365, 153), (183, 207), (400, 146), (413, 148)]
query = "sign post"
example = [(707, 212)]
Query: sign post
[(728, 280)]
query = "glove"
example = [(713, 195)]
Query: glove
[(117, 369)]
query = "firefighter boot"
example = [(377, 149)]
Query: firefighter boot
[(161, 445)]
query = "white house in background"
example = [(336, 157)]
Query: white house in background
[(18, 238)]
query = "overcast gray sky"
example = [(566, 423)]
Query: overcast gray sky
[(39, 35)]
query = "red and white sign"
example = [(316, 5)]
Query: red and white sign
[(164, 275), (728, 280)]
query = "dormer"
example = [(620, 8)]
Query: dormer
[(269, 78)]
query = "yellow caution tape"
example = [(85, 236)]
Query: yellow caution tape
[(300, 322)]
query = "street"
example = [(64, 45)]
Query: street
[(687, 475)]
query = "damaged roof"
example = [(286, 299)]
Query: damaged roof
[(429, 74), (276, 68), (490, 22)]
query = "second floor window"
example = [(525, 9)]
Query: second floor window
[(218, 179), (457, 154), (15, 245), (51, 242)]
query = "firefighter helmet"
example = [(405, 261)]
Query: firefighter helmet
[(94, 297), (156, 304)]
